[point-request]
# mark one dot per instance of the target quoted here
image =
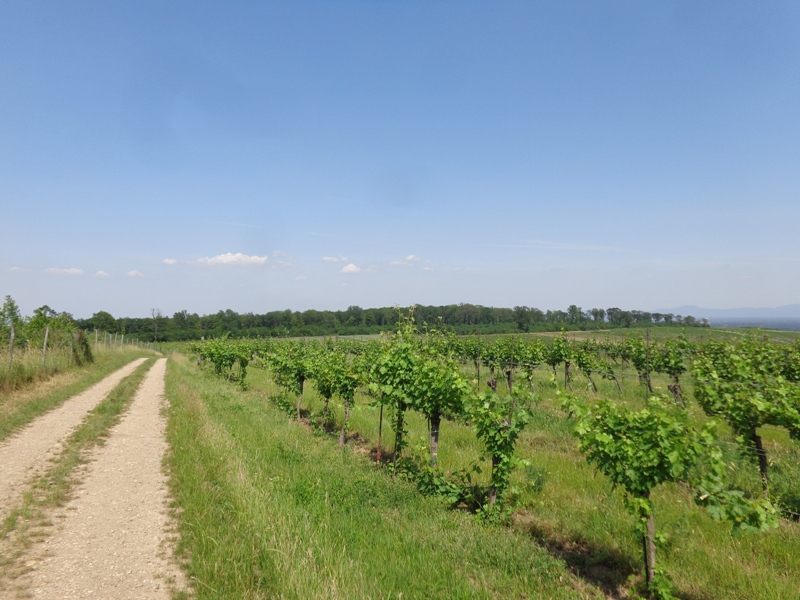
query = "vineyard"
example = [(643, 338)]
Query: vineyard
[(640, 463)]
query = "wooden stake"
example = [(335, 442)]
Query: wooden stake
[(44, 346), (11, 348)]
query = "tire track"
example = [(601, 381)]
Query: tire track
[(111, 540), (26, 453)]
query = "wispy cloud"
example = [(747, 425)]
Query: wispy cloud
[(135, 273), (406, 262), (102, 274), (15, 269), (351, 268), (231, 258), (333, 259), (300, 278), (72, 271), (550, 245), (170, 261)]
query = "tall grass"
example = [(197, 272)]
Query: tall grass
[(29, 363)]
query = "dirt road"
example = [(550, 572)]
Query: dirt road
[(111, 541), (27, 452)]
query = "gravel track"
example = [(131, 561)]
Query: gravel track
[(111, 541), (27, 453)]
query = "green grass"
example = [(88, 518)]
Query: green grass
[(20, 407), (29, 521), (568, 506), (268, 509)]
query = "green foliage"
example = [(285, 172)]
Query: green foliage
[(291, 362), (391, 377), (638, 450), (746, 386), (498, 421), (742, 385), (9, 313), (224, 355)]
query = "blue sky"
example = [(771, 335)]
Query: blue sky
[(269, 155)]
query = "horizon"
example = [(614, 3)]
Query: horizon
[(316, 156), (762, 313)]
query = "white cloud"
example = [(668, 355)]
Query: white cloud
[(170, 261), (135, 273), (351, 268), (427, 268), (15, 269), (406, 262), (330, 259), (300, 278), (233, 259), (72, 271), (102, 274)]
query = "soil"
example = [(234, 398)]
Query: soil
[(113, 540), (26, 453)]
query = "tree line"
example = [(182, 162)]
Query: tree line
[(459, 318)]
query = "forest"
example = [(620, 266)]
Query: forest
[(458, 318)]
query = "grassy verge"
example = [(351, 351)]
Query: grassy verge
[(268, 509), (569, 507), (28, 522), (20, 407)]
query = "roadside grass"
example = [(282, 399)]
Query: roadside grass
[(566, 505), (21, 406), (54, 488), (269, 509)]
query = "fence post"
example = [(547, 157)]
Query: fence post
[(44, 346), (11, 349), (95, 336)]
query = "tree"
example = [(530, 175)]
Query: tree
[(9, 313), (155, 314), (598, 315), (522, 315), (104, 322), (574, 314)]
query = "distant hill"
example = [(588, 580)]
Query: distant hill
[(781, 317)]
